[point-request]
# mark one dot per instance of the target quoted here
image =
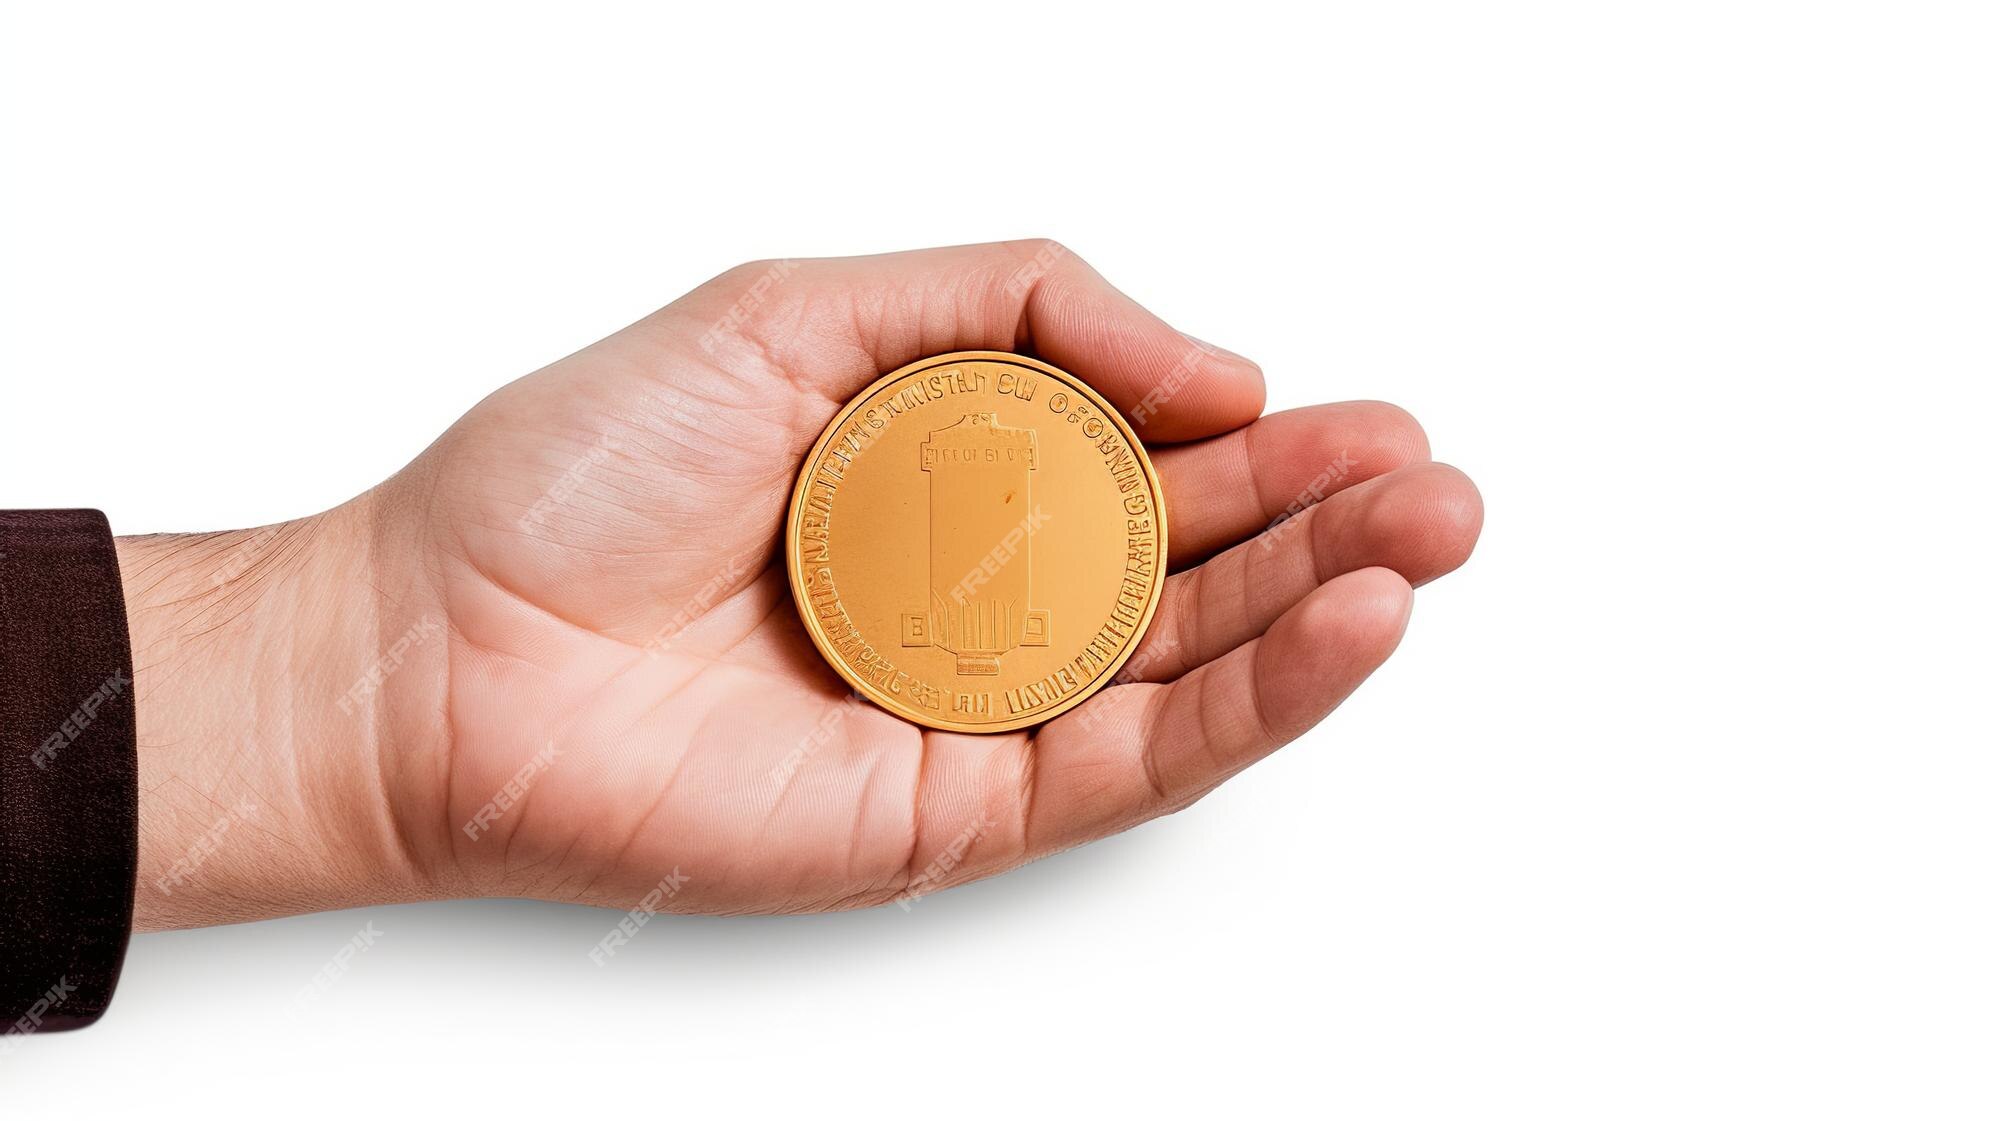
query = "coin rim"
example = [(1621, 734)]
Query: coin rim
[(804, 607)]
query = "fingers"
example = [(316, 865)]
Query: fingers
[(1223, 490), (841, 322), (1168, 385), (1139, 751), (1420, 523)]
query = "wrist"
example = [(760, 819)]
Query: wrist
[(262, 683)]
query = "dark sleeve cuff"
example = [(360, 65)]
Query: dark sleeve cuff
[(69, 821)]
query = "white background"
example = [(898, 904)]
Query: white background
[(1679, 800)]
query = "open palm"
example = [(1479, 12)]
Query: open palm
[(630, 697)]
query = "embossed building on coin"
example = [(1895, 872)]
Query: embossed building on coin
[(982, 514)]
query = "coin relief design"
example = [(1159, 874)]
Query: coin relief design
[(977, 542)]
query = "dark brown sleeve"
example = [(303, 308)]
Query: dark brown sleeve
[(69, 823)]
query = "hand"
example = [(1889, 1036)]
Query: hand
[(557, 655)]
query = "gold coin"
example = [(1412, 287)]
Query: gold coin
[(977, 542)]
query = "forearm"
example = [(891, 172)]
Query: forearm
[(266, 732)]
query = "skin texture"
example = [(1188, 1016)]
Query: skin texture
[(556, 656)]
